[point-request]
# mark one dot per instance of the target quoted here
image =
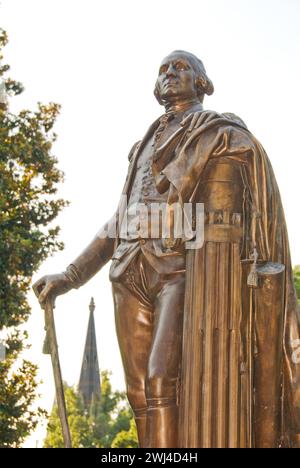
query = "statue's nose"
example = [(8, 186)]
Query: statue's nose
[(171, 71)]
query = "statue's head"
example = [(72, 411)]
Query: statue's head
[(182, 76)]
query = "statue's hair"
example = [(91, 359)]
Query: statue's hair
[(203, 83)]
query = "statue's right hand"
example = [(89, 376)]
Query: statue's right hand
[(49, 287)]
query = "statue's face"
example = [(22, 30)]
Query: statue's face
[(176, 79)]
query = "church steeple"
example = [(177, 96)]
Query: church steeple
[(89, 383)]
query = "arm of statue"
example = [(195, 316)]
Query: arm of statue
[(89, 262), (79, 272)]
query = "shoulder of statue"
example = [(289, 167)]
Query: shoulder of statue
[(211, 118), (203, 118), (235, 118), (133, 150)]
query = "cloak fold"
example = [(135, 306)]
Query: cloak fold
[(240, 374)]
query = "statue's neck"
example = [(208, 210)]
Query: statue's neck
[(183, 106)]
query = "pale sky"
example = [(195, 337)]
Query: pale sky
[(99, 60)]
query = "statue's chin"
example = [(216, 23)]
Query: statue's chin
[(170, 97)]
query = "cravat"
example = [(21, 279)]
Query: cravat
[(163, 122)]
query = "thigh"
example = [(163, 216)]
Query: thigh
[(167, 328), (134, 327)]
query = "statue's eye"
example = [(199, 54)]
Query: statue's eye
[(181, 66), (163, 69)]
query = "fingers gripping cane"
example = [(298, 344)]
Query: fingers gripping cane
[(50, 347)]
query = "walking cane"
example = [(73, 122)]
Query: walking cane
[(50, 347)]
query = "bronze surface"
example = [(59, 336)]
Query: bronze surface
[(208, 337)]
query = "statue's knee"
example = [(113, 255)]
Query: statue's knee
[(137, 400), (160, 390)]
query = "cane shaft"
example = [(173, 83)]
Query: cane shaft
[(51, 341)]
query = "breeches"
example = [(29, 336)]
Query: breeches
[(149, 320)]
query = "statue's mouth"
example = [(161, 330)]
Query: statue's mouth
[(171, 83)]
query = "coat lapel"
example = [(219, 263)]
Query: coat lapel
[(136, 155)]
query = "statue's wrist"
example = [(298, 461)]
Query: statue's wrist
[(73, 276)]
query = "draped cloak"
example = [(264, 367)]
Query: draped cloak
[(240, 372), (240, 382)]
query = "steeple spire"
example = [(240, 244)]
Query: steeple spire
[(89, 383)]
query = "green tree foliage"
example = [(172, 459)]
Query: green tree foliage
[(18, 391), (28, 184), (108, 423), (78, 423), (126, 439), (297, 280)]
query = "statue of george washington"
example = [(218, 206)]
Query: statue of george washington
[(209, 336)]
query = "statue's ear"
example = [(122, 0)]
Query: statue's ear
[(157, 94), (204, 84)]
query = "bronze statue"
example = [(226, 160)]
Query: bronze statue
[(209, 336)]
